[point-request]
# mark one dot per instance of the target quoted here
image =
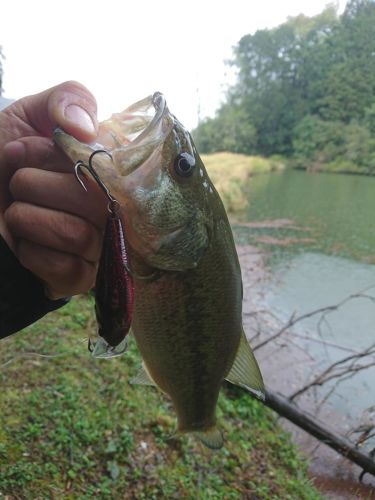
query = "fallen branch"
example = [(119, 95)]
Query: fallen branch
[(310, 424)]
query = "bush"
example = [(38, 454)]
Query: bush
[(334, 146)]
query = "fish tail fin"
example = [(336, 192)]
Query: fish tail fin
[(212, 438), (245, 371)]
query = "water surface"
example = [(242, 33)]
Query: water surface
[(338, 211), (325, 254)]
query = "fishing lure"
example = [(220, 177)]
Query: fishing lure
[(114, 289)]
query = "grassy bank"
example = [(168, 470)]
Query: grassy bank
[(72, 427), (337, 167), (230, 173)]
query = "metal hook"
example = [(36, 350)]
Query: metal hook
[(78, 170), (113, 207)]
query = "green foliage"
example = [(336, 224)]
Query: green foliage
[(1, 69), (369, 120), (334, 146), (305, 89), (72, 427), (316, 142), (231, 131)]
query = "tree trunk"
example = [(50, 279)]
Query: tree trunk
[(310, 424)]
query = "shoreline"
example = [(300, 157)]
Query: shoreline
[(334, 476)]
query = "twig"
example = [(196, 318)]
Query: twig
[(330, 374)]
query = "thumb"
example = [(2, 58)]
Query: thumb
[(68, 105)]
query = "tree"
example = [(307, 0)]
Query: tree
[(317, 142), (275, 74), (305, 89), (369, 120), (1, 70), (230, 130), (349, 86), (273, 90)]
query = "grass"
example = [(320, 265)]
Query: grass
[(337, 166), (71, 427), (230, 173)]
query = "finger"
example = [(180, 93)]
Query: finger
[(60, 191), (53, 229), (36, 151), (69, 105), (64, 274)]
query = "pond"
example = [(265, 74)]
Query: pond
[(319, 233), (335, 211)]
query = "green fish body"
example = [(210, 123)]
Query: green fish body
[(187, 318)]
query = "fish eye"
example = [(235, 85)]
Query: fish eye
[(184, 164)]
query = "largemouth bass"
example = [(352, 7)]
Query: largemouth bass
[(187, 318)]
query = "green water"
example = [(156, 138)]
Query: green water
[(337, 211), (330, 255)]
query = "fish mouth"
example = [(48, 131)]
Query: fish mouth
[(130, 136), (133, 135), (141, 109)]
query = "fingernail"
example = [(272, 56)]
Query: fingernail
[(80, 117)]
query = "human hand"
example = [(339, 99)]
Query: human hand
[(52, 225)]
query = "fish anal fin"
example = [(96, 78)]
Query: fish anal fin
[(245, 370), (142, 377)]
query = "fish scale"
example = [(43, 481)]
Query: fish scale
[(176, 335)]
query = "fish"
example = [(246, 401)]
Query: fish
[(187, 317)]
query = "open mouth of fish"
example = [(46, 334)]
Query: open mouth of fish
[(139, 123), (130, 137), (132, 169)]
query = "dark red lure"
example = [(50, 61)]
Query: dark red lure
[(114, 289)]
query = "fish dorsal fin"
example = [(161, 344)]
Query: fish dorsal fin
[(245, 370), (142, 378)]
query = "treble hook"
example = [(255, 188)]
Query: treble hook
[(78, 170), (112, 207)]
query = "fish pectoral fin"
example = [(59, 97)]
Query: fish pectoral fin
[(142, 378), (245, 370), (212, 438)]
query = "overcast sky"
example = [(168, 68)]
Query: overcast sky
[(124, 50)]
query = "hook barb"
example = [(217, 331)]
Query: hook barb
[(78, 171)]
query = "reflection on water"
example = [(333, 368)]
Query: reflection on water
[(338, 210), (312, 281)]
